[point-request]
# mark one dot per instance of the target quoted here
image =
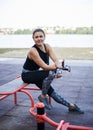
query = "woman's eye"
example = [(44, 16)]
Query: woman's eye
[(39, 36)]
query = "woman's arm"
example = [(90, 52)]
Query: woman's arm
[(34, 55), (53, 56)]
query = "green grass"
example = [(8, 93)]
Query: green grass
[(5, 50)]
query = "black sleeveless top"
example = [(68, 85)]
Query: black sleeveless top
[(31, 65)]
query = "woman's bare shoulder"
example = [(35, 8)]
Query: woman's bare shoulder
[(32, 52), (48, 47)]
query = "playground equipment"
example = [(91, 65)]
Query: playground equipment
[(41, 118), (17, 85)]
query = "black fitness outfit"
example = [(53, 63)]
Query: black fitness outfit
[(43, 79), (31, 72)]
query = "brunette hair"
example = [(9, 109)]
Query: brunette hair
[(38, 30)]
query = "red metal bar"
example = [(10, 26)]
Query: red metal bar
[(65, 126), (42, 117), (60, 125), (32, 88), (35, 88), (2, 97), (30, 96), (40, 121), (15, 98), (48, 120), (74, 127)]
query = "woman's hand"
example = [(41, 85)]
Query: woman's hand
[(53, 66), (58, 73)]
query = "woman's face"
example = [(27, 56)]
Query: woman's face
[(39, 38)]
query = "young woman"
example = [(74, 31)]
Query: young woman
[(37, 70)]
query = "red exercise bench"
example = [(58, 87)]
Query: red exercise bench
[(15, 86)]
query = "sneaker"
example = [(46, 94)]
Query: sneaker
[(76, 109), (45, 101)]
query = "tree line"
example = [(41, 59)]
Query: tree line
[(60, 30), (50, 30)]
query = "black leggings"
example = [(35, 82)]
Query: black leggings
[(37, 77)]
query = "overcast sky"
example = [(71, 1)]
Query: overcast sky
[(33, 13)]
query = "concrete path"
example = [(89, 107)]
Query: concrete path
[(76, 87)]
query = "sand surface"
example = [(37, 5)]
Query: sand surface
[(66, 53)]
